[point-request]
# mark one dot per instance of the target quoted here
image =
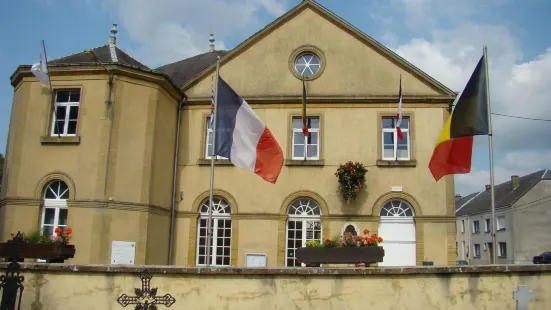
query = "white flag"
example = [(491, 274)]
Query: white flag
[(40, 69)]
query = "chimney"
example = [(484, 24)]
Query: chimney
[(487, 187), (514, 181), (211, 45), (112, 36)]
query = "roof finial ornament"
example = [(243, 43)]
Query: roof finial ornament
[(211, 40), (112, 36)]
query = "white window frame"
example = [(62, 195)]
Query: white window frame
[(462, 226), (310, 130), (216, 218), (476, 252), (210, 132), (405, 132), (500, 250), (304, 219), (57, 205), (499, 225), (68, 106)]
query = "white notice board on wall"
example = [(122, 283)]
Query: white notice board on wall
[(255, 260), (123, 252)]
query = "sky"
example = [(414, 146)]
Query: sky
[(443, 38)]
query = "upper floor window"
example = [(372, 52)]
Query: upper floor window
[(462, 226), (476, 227), (65, 117), (306, 147), (209, 140), (486, 225), (393, 147), (500, 223)]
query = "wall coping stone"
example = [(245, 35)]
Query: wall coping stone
[(287, 271)]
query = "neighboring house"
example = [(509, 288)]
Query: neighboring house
[(115, 169), (523, 217)]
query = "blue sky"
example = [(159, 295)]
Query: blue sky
[(441, 37)]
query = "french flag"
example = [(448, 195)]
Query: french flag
[(243, 138), (399, 114)]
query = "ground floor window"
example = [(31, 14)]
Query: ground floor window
[(221, 233), (303, 224)]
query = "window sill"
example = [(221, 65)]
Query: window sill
[(503, 229), (308, 162), (60, 140), (217, 162), (396, 163)]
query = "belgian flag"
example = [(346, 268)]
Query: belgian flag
[(453, 151)]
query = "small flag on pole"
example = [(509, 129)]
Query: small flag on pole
[(304, 118), (453, 151), (399, 115), (40, 69), (248, 143)]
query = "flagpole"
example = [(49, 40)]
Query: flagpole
[(212, 158), (52, 103), (491, 152)]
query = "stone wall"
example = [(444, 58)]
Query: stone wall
[(65, 286)]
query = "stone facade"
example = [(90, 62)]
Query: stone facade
[(119, 166)]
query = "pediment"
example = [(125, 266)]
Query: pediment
[(353, 64)]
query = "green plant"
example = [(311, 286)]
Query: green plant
[(313, 244), (41, 236), (351, 177)]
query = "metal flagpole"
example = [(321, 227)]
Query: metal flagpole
[(491, 151), (212, 157), (52, 99)]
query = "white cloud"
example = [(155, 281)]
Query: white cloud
[(517, 88), (515, 163), (171, 30)]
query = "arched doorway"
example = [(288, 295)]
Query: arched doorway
[(303, 224), (221, 233), (397, 228), (55, 212)]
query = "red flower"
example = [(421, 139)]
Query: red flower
[(57, 230), (366, 231), (69, 230)]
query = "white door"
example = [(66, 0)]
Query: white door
[(398, 235)]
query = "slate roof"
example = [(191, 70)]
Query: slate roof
[(182, 71), (104, 55), (505, 195)]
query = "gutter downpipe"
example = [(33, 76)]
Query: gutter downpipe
[(110, 115), (174, 180)]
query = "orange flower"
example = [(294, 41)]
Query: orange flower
[(366, 231), (69, 230), (66, 240), (57, 230), (379, 239)]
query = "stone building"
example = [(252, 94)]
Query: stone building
[(125, 156), (522, 221)]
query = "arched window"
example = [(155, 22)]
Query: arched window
[(349, 228), (221, 233), (303, 224), (54, 213), (397, 208)]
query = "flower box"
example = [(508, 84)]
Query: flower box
[(340, 255), (53, 252)]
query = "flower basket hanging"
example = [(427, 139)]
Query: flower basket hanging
[(351, 178)]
